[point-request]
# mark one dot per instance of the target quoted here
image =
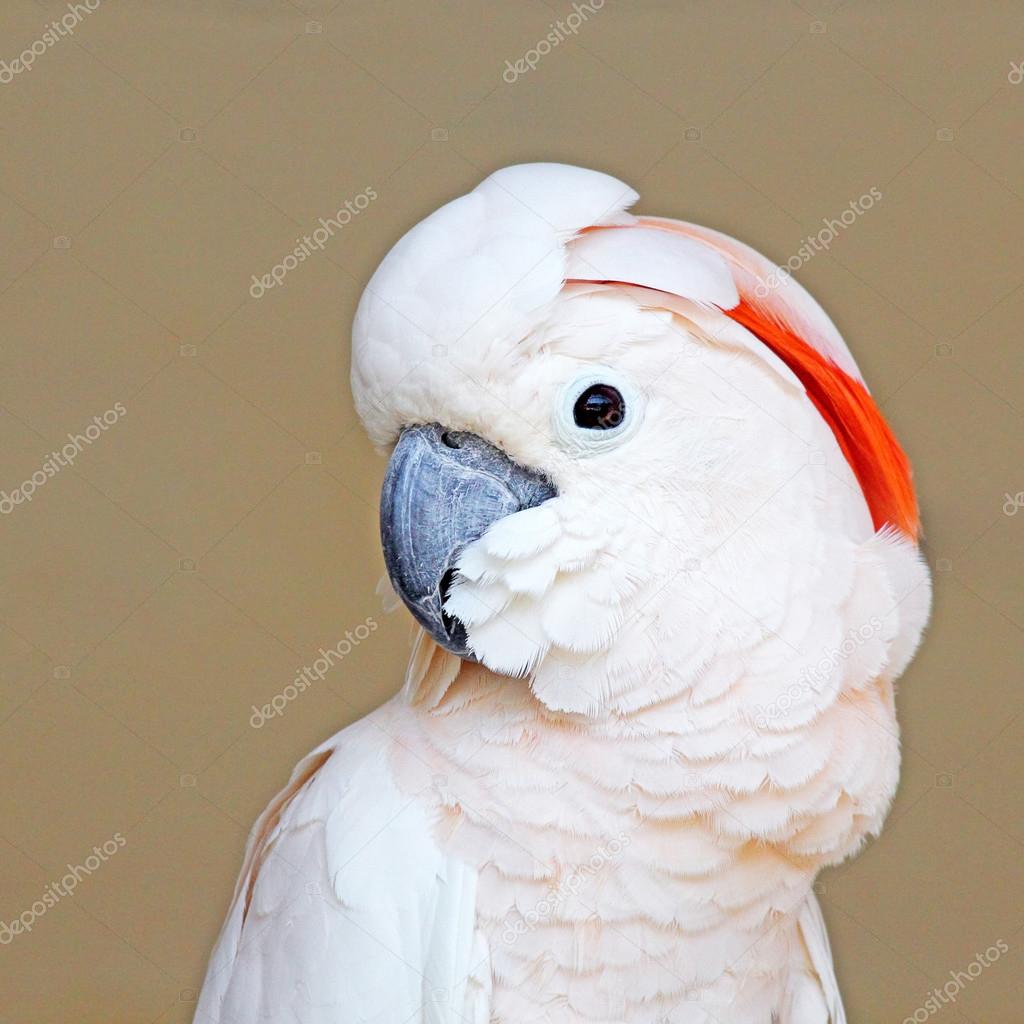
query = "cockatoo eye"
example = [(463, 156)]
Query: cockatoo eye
[(596, 412), (600, 407)]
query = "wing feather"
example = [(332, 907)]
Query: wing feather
[(346, 908), (813, 996)]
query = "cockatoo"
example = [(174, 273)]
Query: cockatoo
[(662, 551)]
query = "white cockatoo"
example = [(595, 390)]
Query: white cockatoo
[(662, 548)]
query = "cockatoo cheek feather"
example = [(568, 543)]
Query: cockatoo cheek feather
[(689, 542)]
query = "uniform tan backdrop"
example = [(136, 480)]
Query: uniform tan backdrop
[(208, 519)]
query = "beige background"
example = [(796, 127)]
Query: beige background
[(202, 549)]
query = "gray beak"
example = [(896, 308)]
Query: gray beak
[(441, 492)]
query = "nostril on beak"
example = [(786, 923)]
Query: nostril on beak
[(449, 440)]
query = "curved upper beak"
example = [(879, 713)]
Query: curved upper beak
[(441, 492)]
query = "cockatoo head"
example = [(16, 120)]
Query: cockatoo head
[(620, 464)]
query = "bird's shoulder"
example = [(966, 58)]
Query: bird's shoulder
[(346, 900)]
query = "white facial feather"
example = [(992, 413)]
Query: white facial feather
[(726, 522)]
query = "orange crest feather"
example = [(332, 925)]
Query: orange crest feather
[(869, 445)]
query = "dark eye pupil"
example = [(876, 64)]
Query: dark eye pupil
[(600, 407)]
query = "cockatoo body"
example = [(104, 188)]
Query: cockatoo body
[(662, 548)]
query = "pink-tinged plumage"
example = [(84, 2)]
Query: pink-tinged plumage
[(683, 708)]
